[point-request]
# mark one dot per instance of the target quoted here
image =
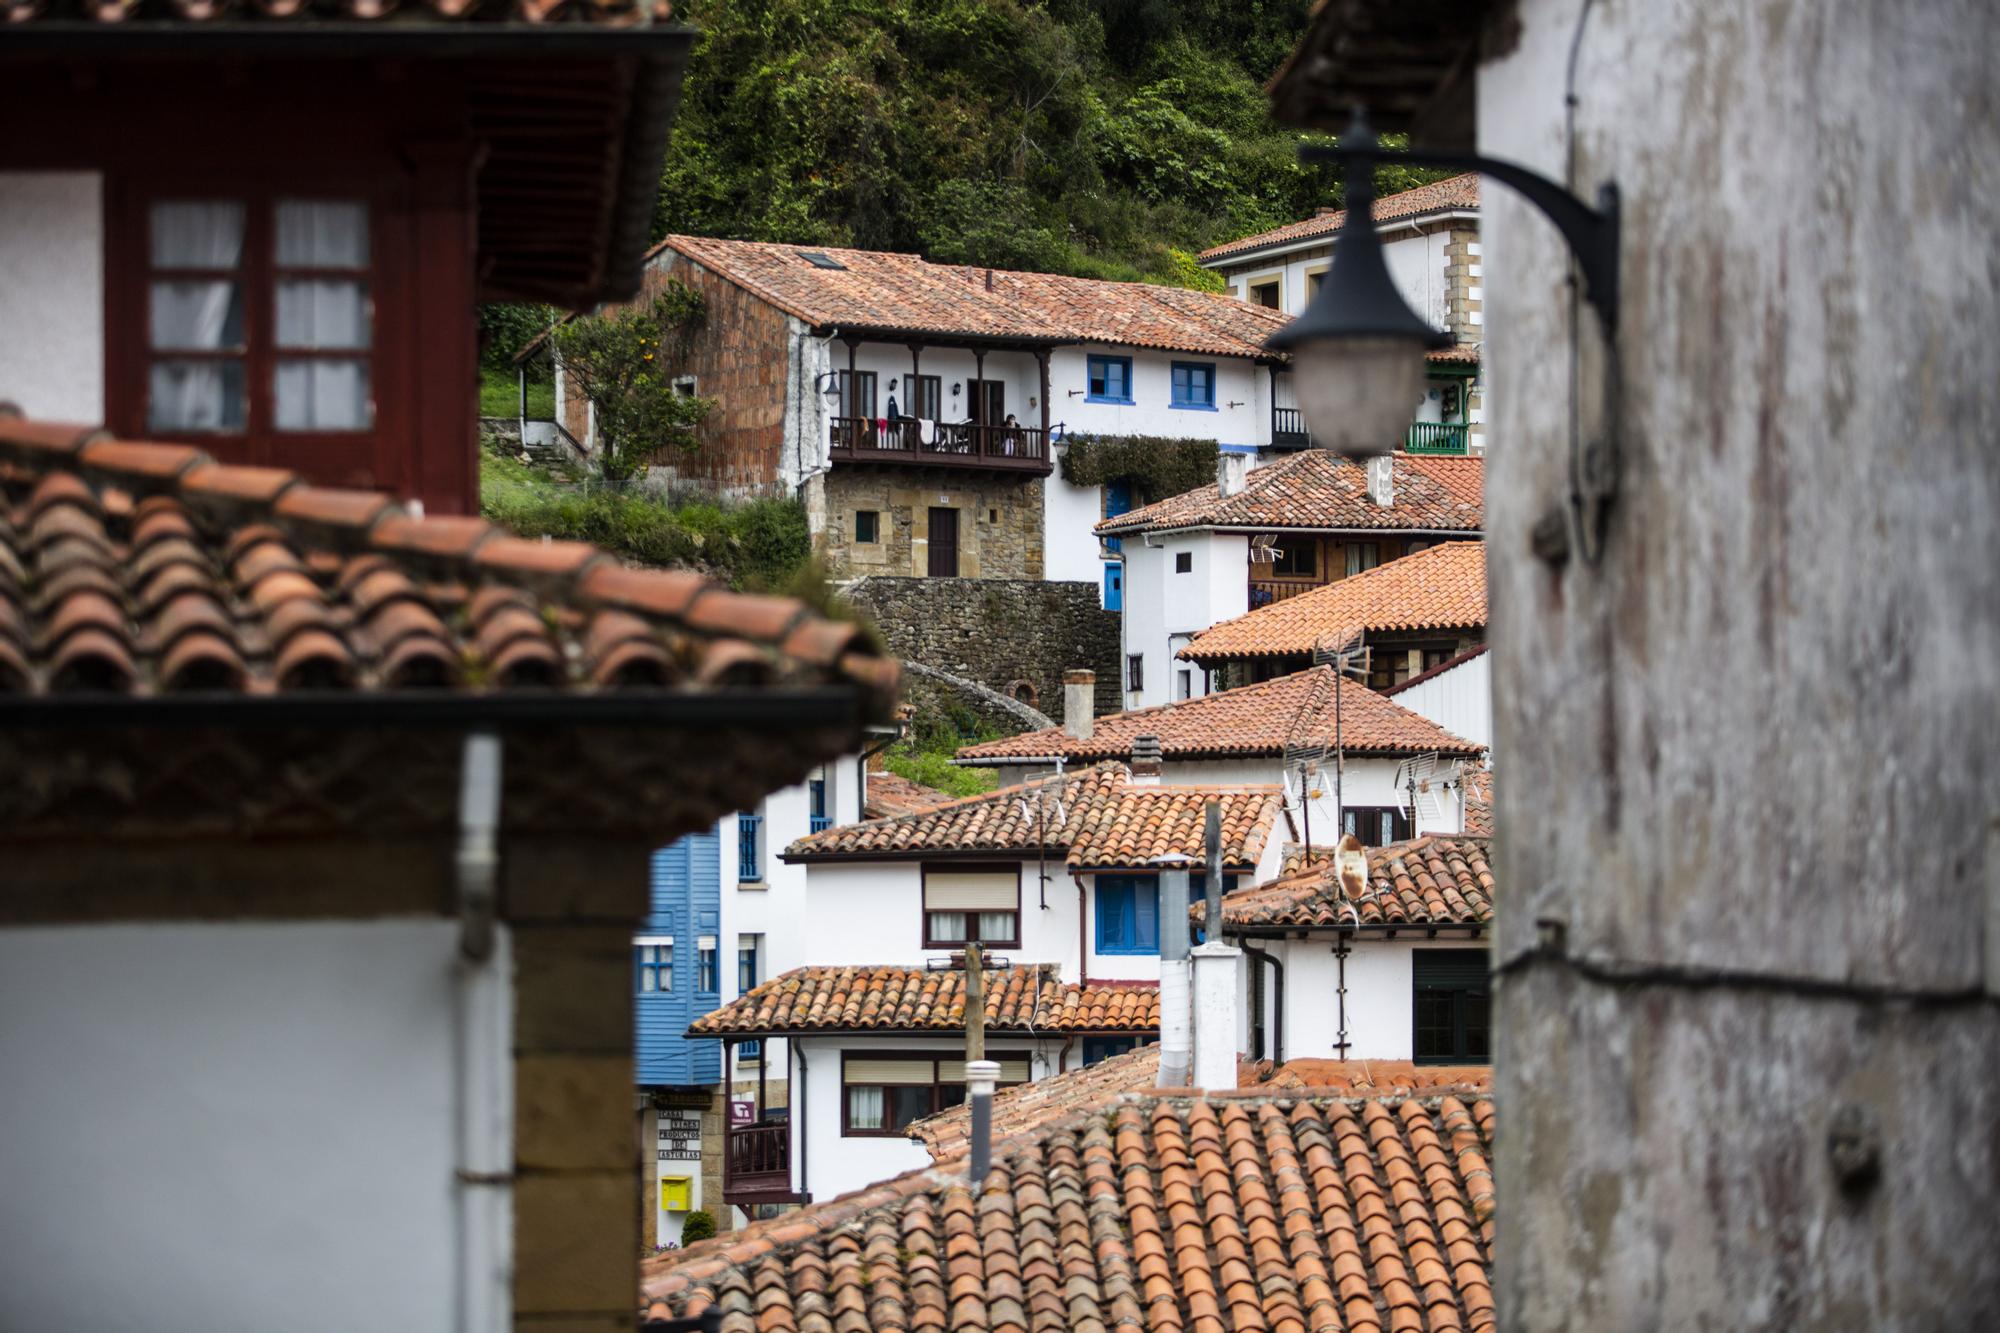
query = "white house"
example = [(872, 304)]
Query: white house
[(1280, 732), (922, 410), (1057, 880), (1430, 241), (1260, 536), (1370, 954), (1457, 694)]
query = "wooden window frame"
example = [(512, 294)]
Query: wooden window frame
[(376, 449), (972, 926), (1090, 365), (916, 388), (1139, 949), (1183, 562), (1135, 672), (936, 1057), (1296, 544), (1460, 998), (874, 517), (1401, 821)]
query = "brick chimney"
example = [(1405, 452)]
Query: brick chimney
[(1079, 704), (1146, 763), (1382, 481), (1232, 472)]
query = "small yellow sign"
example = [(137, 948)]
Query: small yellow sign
[(676, 1193)]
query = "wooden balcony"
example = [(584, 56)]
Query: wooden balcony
[(1436, 437), (1263, 592), (757, 1165), (1288, 429), (952, 444)]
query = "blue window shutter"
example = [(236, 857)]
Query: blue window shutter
[(1114, 587), (1146, 916), (1113, 897)]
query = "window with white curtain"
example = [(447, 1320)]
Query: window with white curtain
[(275, 291), (883, 1094), (983, 904)]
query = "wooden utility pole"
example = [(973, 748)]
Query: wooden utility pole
[(975, 1004)]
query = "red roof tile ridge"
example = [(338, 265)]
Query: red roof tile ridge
[(1452, 194), (1109, 769), (1308, 490)]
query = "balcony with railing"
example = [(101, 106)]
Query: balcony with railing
[(940, 444), (757, 1164), (1288, 429), (1289, 433)]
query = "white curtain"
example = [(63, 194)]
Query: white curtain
[(864, 1108), (190, 316), (322, 314), (996, 925), (317, 233), (322, 395), (187, 234), (195, 395), (947, 925)]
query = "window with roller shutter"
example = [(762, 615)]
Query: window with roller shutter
[(967, 903), (883, 1093)]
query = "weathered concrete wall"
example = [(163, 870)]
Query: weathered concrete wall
[(1762, 739), (1003, 633)]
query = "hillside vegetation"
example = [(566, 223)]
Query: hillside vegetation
[(1103, 138)]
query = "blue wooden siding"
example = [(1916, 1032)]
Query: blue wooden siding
[(687, 904)]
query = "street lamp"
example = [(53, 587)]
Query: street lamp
[(1359, 349)]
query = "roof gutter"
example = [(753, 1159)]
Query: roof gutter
[(1386, 929), (1324, 239)]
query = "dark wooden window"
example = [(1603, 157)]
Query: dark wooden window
[(259, 315), (1096, 1050), (882, 1092), (923, 397), (989, 402), (1376, 825), (944, 543), (867, 525), (963, 903), (1363, 556), (1266, 294), (1184, 562), (1135, 672), (857, 393), (1296, 557), (1453, 1019)]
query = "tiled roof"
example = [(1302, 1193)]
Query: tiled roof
[(1450, 195), (1031, 997), (1443, 588), (604, 13), (891, 794), (1243, 1210), (1437, 880), (1313, 489), (1381, 1077), (1108, 821), (145, 570), (877, 290), (1479, 801), (1026, 1107), (1250, 720)]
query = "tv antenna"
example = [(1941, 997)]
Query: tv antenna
[(1306, 744), (1423, 780), (1033, 806), (1264, 548)]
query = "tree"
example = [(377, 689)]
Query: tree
[(625, 364)]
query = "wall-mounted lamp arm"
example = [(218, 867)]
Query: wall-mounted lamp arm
[(1591, 233)]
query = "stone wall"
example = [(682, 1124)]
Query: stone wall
[(999, 521), (1016, 635)]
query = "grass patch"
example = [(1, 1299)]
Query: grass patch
[(754, 546), (500, 394), (938, 729)]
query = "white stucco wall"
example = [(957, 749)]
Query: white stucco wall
[(1237, 379), (52, 293), (1459, 700), (237, 1113), (1164, 609), (1070, 548)]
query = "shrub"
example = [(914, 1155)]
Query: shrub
[(699, 1226), (1161, 467)]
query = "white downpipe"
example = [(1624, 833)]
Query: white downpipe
[(485, 1111)]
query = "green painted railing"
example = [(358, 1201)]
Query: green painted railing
[(1436, 437)]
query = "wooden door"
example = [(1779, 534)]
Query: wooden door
[(944, 543)]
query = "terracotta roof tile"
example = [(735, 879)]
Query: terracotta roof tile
[(1108, 820), (900, 292), (892, 794), (1256, 719), (1437, 879), (1479, 802), (1379, 1077), (915, 999), (1320, 491), (1450, 195), (243, 581), (1287, 1210), (1443, 588)]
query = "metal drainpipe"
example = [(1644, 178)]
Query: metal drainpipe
[(1082, 948), (799, 1119), (1340, 960), (484, 1175), (1277, 1023)]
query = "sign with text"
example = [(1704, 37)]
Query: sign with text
[(742, 1112), (680, 1135)]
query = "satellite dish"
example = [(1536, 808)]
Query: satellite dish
[(1350, 862)]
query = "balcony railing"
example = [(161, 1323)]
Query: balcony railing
[(1263, 592), (819, 823), (1436, 437), (749, 833), (950, 444), (757, 1165), (1288, 429)]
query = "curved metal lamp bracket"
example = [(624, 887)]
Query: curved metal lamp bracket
[(1592, 237)]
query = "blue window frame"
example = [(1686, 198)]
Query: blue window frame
[(1128, 914), (707, 966), (1114, 586), (1194, 385), (818, 821), (1110, 380), (653, 967), (746, 981), (749, 848)]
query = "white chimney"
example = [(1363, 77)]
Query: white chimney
[(1146, 763), (1079, 704), (1176, 1027), (1232, 472), (1216, 982), (1382, 480)]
